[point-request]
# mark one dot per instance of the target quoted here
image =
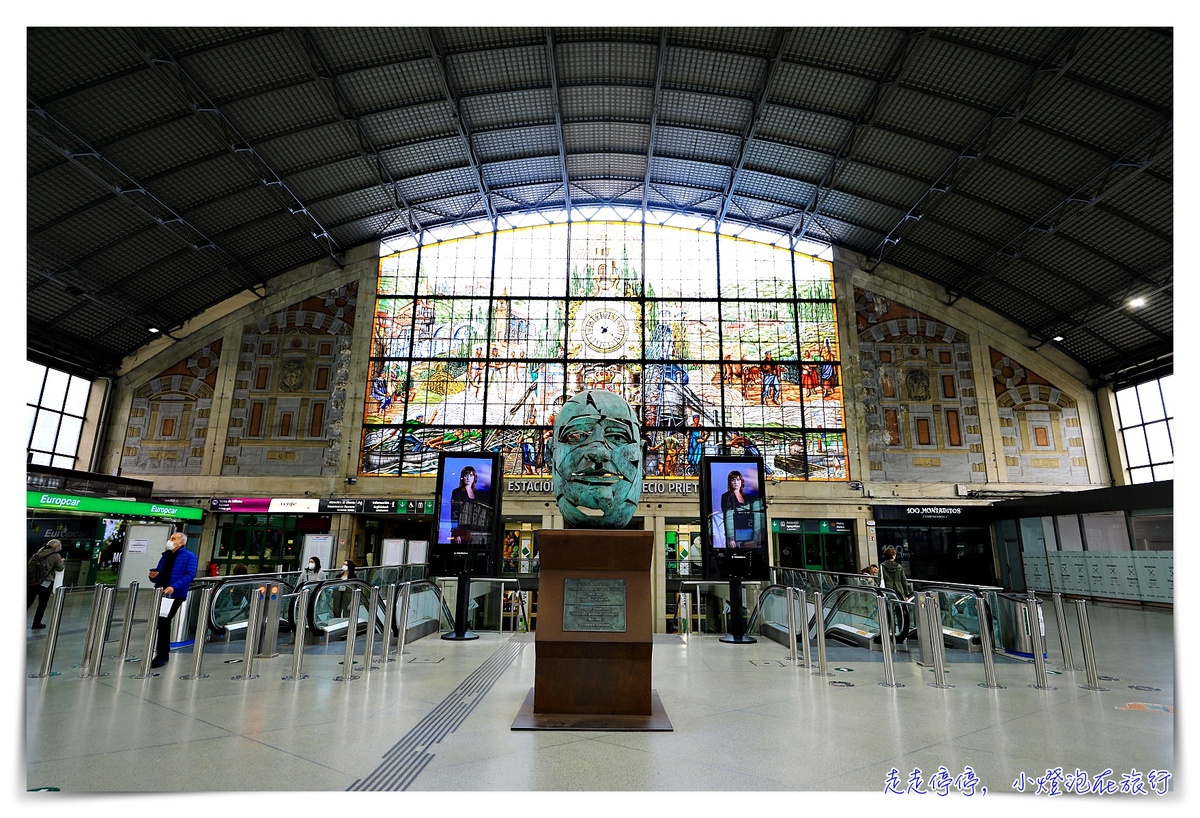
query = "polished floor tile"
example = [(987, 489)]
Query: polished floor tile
[(745, 719)]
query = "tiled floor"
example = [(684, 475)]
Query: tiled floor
[(744, 717)]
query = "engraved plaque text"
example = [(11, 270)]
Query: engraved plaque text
[(594, 605)]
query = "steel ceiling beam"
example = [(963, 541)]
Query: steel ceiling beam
[(103, 171), (758, 107), (552, 62), (1063, 55), (328, 81), (892, 75), (660, 70), (197, 99), (464, 132), (1103, 184)]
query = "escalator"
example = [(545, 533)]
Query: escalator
[(851, 615)]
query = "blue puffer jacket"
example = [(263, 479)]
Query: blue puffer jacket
[(182, 573)]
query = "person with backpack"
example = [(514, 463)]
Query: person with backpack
[(39, 579)]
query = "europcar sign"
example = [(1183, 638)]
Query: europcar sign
[(105, 505)]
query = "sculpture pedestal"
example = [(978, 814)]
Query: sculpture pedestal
[(594, 634)]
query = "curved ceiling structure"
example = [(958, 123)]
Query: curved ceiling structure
[(1026, 169)]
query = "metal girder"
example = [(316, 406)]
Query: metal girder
[(366, 148), (160, 59), (119, 303), (552, 61), (1101, 185), (102, 170), (1064, 54), (774, 57), (892, 75), (660, 70), (464, 133)]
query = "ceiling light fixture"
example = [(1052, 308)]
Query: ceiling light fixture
[(1137, 303), (1058, 337)]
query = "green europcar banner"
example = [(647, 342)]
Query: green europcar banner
[(107, 505)]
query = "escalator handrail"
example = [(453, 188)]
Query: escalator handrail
[(310, 614), (230, 580), (899, 629)]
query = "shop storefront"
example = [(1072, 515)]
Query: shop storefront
[(265, 534), (814, 544), (943, 543), (94, 530)]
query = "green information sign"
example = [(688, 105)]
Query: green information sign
[(107, 505)]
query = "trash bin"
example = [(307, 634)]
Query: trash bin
[(1012, 619)]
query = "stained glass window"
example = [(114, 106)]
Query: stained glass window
[(721, 345)]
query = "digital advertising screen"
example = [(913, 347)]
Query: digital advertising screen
[(468, 497), (734, 514)]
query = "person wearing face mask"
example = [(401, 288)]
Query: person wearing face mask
[(312, 572), (341, 597), (174, 574)]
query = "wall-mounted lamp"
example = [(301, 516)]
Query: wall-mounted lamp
[(350, 481), (855, 485)]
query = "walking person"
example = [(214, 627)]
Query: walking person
[(174, 574), (894, 576), (40, 575)]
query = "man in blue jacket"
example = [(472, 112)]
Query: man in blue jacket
[(174, 574)]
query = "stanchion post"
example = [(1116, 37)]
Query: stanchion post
[(933, 627), (986, 646), (252, 625), (56, 609), (151, 630), (402, 626), (1039, 648), (201, 635), (93, 632), (790, 596), (389, 622), (127, 628), (1068, 662), (803, 601), (298, 646), (885, 642), (107, 598), (347, 674), (369, 639), (1089, 655), (819, 612)]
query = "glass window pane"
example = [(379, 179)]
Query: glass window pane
[(1070, 537), (45, 428), (1166, 386), (68, 436), (1135, 447), (1164, 472), (1127, 406), (1160, 443), (77, 396), (1151, 401), (1142, 475), (35, 374), (55, 393), (39, 459), (1106, 531), (61, 462)]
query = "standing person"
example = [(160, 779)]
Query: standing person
[(893, 574), (340, 602), (174, 574), (39, 579), (312, 572)]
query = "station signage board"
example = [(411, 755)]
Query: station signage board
[(108, 505)]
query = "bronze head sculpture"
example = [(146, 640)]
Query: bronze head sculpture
[(596, 452)]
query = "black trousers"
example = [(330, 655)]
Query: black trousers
[(162, 637), (41, 595)]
